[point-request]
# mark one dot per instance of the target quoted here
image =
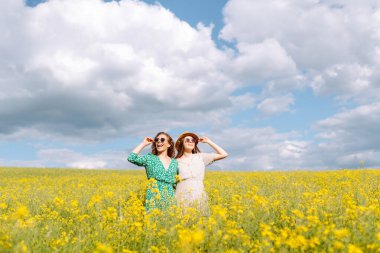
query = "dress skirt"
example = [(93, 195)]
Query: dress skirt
[(190, 193), (159, 194)]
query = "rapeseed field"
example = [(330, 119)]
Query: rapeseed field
[(62, 210)]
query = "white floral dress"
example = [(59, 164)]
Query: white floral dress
[(190, 190)]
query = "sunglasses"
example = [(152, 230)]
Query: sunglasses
[(189, 140), (162, 140)]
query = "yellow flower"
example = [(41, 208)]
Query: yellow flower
[(74, 203), (266, 231), (302, 229), (184, 237), (177, 178), (378, 236), (338, 245), (154, 249), (58, 202), (94, 200), (109, 214), (313, 242), (198, 236), (298, 213), (103, 248), (22, 212), (312, 219), (354, 249), (138, 224), (341, 233), (109, 194), (220, 211), (189, 237)]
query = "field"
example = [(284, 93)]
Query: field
[(61, 210)]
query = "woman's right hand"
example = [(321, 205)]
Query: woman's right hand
[(147, 141), (142, 145)]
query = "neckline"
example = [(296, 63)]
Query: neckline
[(188, 161), (162, 164)]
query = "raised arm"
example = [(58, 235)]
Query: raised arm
[(220, 153), (134, 156), (142, 145)]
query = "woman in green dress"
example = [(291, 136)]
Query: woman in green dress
[(161, 169)]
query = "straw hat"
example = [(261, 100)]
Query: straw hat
[(183, 135)]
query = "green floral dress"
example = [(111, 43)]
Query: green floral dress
[(160, 191)]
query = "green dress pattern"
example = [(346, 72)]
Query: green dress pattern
[(160, 191)]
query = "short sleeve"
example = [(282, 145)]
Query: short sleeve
[(208, 158), (138, 160)]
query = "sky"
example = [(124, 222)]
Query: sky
[(279, 84)]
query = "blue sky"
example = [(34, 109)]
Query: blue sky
[(280, 85)]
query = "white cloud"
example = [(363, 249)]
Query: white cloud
[(292, 149), (355, 129), (259, 149), (332, 43), (351, 81), (350, 137), (94, 70), (263, 61), (274, 105), (244, 101)]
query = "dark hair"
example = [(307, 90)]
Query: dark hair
[(171, 152), (181, 149)]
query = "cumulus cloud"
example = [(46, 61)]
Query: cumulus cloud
[(349, 82), (263, 61), (332, 43), (274, 105), (331, 46), (352, 79), (355, 129), (260, 149), (347, 139), (90, 69)]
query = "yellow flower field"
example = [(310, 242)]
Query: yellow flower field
[(61, 210)]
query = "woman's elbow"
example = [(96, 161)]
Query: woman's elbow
[(131, 158)]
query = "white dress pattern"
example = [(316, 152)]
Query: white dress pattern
[(190, 191)]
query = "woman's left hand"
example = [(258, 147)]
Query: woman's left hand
[(204, 140)]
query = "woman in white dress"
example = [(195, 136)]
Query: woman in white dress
[(191, 168)]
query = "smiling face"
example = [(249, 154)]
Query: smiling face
[(162, 143), (189, 143)]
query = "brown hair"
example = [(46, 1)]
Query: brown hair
[(171, 152), (181, 149)]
